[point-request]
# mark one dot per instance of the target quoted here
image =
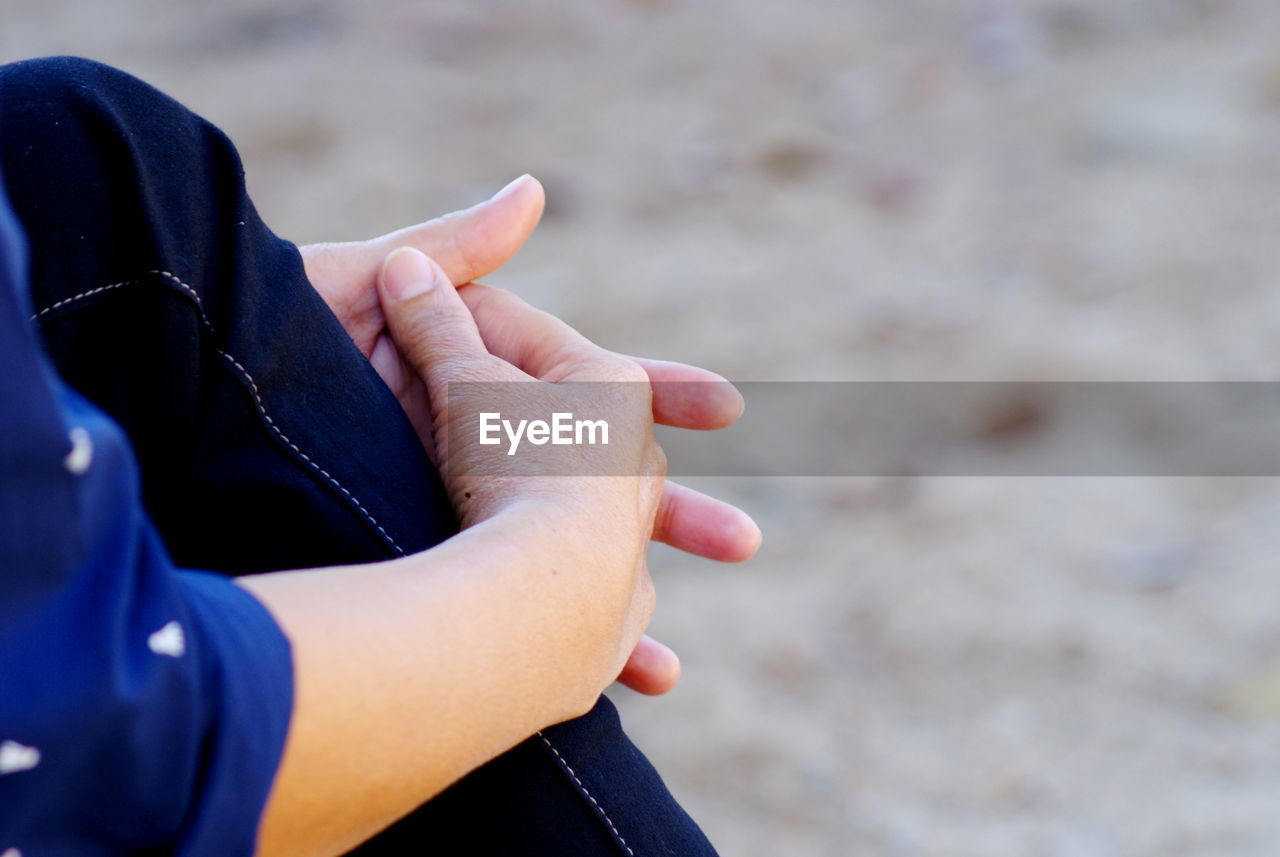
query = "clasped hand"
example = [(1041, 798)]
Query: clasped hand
[(409, 302)]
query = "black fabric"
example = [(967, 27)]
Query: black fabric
[(129, 199), (266, 441)]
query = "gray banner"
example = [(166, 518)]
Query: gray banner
[(912, 429)]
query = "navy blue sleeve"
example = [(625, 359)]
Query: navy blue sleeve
[(142, 708)]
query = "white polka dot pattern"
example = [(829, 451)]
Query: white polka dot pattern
[(15, 757), (81, 454), (169, 640)]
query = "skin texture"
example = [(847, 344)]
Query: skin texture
[(471, 244), (524, 617)]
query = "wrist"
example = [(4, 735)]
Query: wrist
[(557, 591)]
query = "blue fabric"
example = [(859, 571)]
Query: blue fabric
[(113, 739), (264, 441), (165, 300)]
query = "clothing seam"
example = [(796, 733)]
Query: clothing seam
[(245, 377), (582, 789)]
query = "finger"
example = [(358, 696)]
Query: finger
[(429, 322), (702, 525), (469, 243), (691, 398), (477, 241), (683, 396), (407, 386), (653, 669), (528, 338)]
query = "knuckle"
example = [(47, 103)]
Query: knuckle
[(591, 360), (478, 369), (624, 369), (631, 373), (506, 298), (571, 361), (667, 512), (458, 368), (487, 298), (414, 341), (658, 463)]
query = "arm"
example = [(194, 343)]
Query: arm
[(142, 708), (195, 727), (411, 673)]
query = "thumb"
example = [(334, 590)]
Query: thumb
[(427, 318), (474, 242)]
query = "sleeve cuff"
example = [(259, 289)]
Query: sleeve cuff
[(248, 666)]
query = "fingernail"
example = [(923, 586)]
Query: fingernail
[(735, 401), (408, 273), (509, 187), (664, 652)]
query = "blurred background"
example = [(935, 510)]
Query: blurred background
[(841, 190)]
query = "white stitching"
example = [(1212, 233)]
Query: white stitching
[(569, 770), (87, 294), (192, 293), (257, 398), (195, 296), (245, 376)]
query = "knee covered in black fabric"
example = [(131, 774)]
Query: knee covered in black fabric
[(102, 166)]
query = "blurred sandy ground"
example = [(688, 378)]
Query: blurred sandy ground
[(925, 189)]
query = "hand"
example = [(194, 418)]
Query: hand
[(685, 519), (467, 244), (516, 335), (470, 244), (602, 522), (518, 622)]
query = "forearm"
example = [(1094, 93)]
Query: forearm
[(411, 673)]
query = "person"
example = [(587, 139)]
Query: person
[(184, 390)]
